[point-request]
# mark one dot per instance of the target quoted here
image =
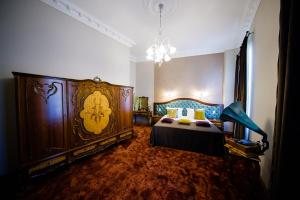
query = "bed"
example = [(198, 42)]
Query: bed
[(209, 140)]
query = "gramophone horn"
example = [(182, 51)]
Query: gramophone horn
[(235, 113)]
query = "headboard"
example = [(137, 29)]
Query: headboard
[(212, 111)]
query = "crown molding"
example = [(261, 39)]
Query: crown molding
[(77, 13), (189, 53), (247, 20)]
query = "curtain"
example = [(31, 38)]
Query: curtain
[(286, 130), (240, 85)]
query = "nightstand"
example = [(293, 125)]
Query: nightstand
[(146, 114), (155, 118)]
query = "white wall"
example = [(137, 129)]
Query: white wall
[(183, 75), (228, 82), (198, 77), (265, 47), (145, 81), (36, 38), (133, 75)]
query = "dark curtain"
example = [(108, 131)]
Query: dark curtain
[(286, 131), (240, 85)]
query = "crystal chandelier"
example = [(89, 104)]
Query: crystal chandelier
[(161, 50)]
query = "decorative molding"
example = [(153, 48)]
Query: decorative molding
[(152, 6), (188, 53), (125, 134), (77, 13), (45, 90), (197, 52), (95, 113), (83, 150), (247, 20), (47, 163), (80, 92), (125, 93), (108, 141)]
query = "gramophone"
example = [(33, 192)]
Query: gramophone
[(235, 113)]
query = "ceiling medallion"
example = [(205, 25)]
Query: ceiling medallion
[(153, 6)]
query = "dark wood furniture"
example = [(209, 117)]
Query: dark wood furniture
[(143, 109), (146, 114), (155, 118), (61, 120)]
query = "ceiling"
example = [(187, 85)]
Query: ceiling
[(194, 27)]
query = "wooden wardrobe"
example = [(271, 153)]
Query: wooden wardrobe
[(61, 120)]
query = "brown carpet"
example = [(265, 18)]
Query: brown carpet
[(135, 170)]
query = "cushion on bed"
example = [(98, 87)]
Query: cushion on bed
[(190, 113), (184, 121), (167, 120), (200, 114), (203, 123), (179, 112), (172, 112), (211, 111)]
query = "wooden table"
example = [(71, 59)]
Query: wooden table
[(146, 114)]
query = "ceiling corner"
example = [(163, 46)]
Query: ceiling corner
[(77, 13), (247, 19)]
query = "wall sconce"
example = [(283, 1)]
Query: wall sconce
[(170, 94), (204, 94)]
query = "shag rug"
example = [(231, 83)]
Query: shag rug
[(135, 170)]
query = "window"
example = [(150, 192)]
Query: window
[(249, 81)]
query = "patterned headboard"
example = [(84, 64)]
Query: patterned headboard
[(212, 111)]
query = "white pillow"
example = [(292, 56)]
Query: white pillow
[(190, 113), (179, 112)]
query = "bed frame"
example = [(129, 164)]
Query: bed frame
[(212, 111), (208, 140)]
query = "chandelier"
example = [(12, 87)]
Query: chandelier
[(161, 50)]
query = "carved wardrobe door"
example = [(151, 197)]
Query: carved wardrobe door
[(93, 113), (42, 117), (126, 108)]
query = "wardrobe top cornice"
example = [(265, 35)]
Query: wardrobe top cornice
[(67, 79)]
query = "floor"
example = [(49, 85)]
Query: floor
[(134, 169)]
